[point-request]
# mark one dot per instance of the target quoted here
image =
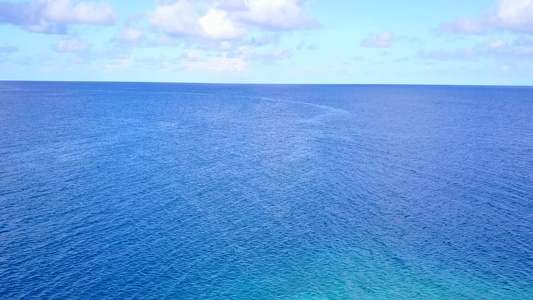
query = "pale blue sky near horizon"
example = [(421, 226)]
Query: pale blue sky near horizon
[(482, 42)]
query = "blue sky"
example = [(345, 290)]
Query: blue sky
[(269, 41)]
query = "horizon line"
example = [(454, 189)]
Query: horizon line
[(268, 83)]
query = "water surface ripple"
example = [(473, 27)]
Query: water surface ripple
[(198, 191)]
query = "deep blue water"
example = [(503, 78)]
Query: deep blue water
[(198, 191)]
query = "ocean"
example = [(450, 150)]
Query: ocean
[(218, 191)]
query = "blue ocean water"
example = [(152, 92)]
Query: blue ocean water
[(201, 191)]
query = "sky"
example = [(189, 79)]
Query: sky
[(466, 42)]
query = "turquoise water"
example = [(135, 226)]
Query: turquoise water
[(199, 191)]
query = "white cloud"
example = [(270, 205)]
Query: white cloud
[(462, 26), (225, 45), (279, 14), (383, 40), (185, 18), (71, 44), (493, 44), (281, 53), (54, 68), (505, 68), (227, 19), (225, 62), (130, 35), (64, 11), (195, 55), (176, 19), (274, 55), (53, 16), (166, 41), (513, 15), (501, 50), (511, 52), (120, 64), (265, 39), (216, 24), (217, 64)]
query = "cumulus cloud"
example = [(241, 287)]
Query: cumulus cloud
[(53, 16), (513, 15), (71, 44), (176, 19), (216, 24), (383, 40), (227, 19)]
